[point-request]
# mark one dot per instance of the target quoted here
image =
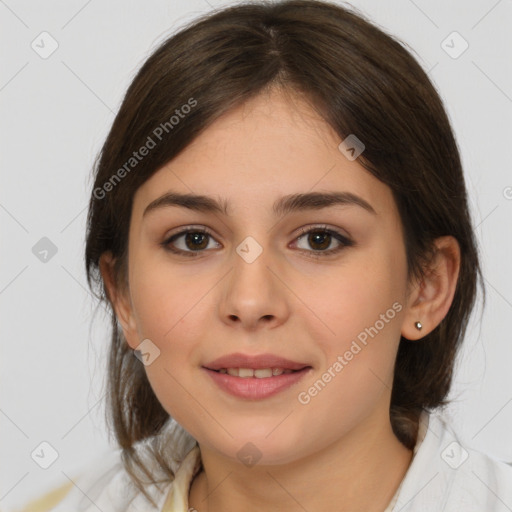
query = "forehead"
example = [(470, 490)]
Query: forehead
[(273, 145)]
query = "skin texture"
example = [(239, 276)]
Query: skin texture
[(339, 448)]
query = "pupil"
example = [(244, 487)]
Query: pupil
[(314, 237), (194, 238)]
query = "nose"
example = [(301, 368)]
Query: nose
[(254, 294)]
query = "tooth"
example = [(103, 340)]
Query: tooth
[(263, 373), (260, 373)]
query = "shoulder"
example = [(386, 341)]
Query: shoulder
[(448, 474), (104, 484)]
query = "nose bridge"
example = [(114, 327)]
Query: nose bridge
[(251, 274), (252, 291)]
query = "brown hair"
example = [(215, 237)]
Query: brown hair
[(361, 81)]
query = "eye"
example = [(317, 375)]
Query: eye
[(192, 241), (321, 239), (189, 242)]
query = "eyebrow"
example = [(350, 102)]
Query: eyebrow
[(282, 206)]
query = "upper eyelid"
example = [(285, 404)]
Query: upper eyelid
[(324, 227), (302, 230)]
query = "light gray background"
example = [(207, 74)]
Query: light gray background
[(55, 114)]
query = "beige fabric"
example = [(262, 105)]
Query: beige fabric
[(177, 499), (48, 501)]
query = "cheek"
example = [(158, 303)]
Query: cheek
[(361, 308), (357, 295), (175, 309), (163, 297), (169, 312)]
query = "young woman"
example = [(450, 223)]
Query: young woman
[(279, 223)]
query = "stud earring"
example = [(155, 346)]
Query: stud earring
[(418, 325)]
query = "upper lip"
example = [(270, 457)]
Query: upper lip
[(255, 362)]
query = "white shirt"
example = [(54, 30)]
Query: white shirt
[(445, 475)]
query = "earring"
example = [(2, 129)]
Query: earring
[(418, 325)]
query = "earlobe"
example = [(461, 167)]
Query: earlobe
[(119, 299), (432, 297)]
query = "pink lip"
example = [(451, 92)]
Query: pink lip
[(252, 388), (239, 360)]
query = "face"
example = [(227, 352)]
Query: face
[(319, 283)]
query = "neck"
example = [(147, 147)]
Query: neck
[(360, 472)]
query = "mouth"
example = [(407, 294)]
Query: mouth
[(255, 377)]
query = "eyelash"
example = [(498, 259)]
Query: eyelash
[(345, 242)]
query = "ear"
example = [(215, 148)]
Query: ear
[(119, 297), (431, 297)]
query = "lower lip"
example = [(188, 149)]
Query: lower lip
[(253, 388)]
